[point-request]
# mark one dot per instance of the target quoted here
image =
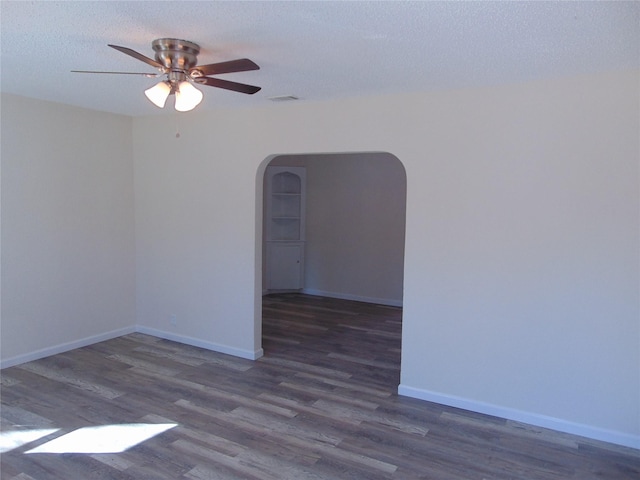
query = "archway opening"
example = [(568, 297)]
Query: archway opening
[(353, 247)]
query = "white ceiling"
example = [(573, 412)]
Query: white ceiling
[(315, 50)]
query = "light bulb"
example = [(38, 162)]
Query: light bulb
[(187, 97), (158, 93)]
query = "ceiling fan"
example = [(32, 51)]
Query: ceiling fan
[(176, 60)]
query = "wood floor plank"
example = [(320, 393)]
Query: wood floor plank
[(347, 387), (69, 378), (321, 404)]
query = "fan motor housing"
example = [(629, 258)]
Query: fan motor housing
[(176, 54)]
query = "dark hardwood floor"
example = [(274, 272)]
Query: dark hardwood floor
[(321, 404)]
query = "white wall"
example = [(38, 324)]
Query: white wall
[(522, 256), (67, 228), (195, 230), (521, 260), (355, 225)]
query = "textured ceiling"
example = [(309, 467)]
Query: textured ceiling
[(312, 50)]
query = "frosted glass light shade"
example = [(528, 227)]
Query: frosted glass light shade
[(158, 93), (187, 97)]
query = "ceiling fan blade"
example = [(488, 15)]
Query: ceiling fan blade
[(148, 75), (240, 65), (138, 56), (226, 84)]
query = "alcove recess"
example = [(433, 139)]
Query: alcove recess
[(285, 227)]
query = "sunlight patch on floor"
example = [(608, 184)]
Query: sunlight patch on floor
[(16, 438), (104, 438)]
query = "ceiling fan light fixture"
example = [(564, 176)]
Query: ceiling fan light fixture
[(158, 93), (188, 97), (177, 60)]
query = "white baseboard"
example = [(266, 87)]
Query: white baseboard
[(65, 347), (236, 352), (357, 298), (610, 436)]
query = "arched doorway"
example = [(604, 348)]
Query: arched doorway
[(355, 226)]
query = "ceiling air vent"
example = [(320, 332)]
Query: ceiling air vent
[(283, 98)]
